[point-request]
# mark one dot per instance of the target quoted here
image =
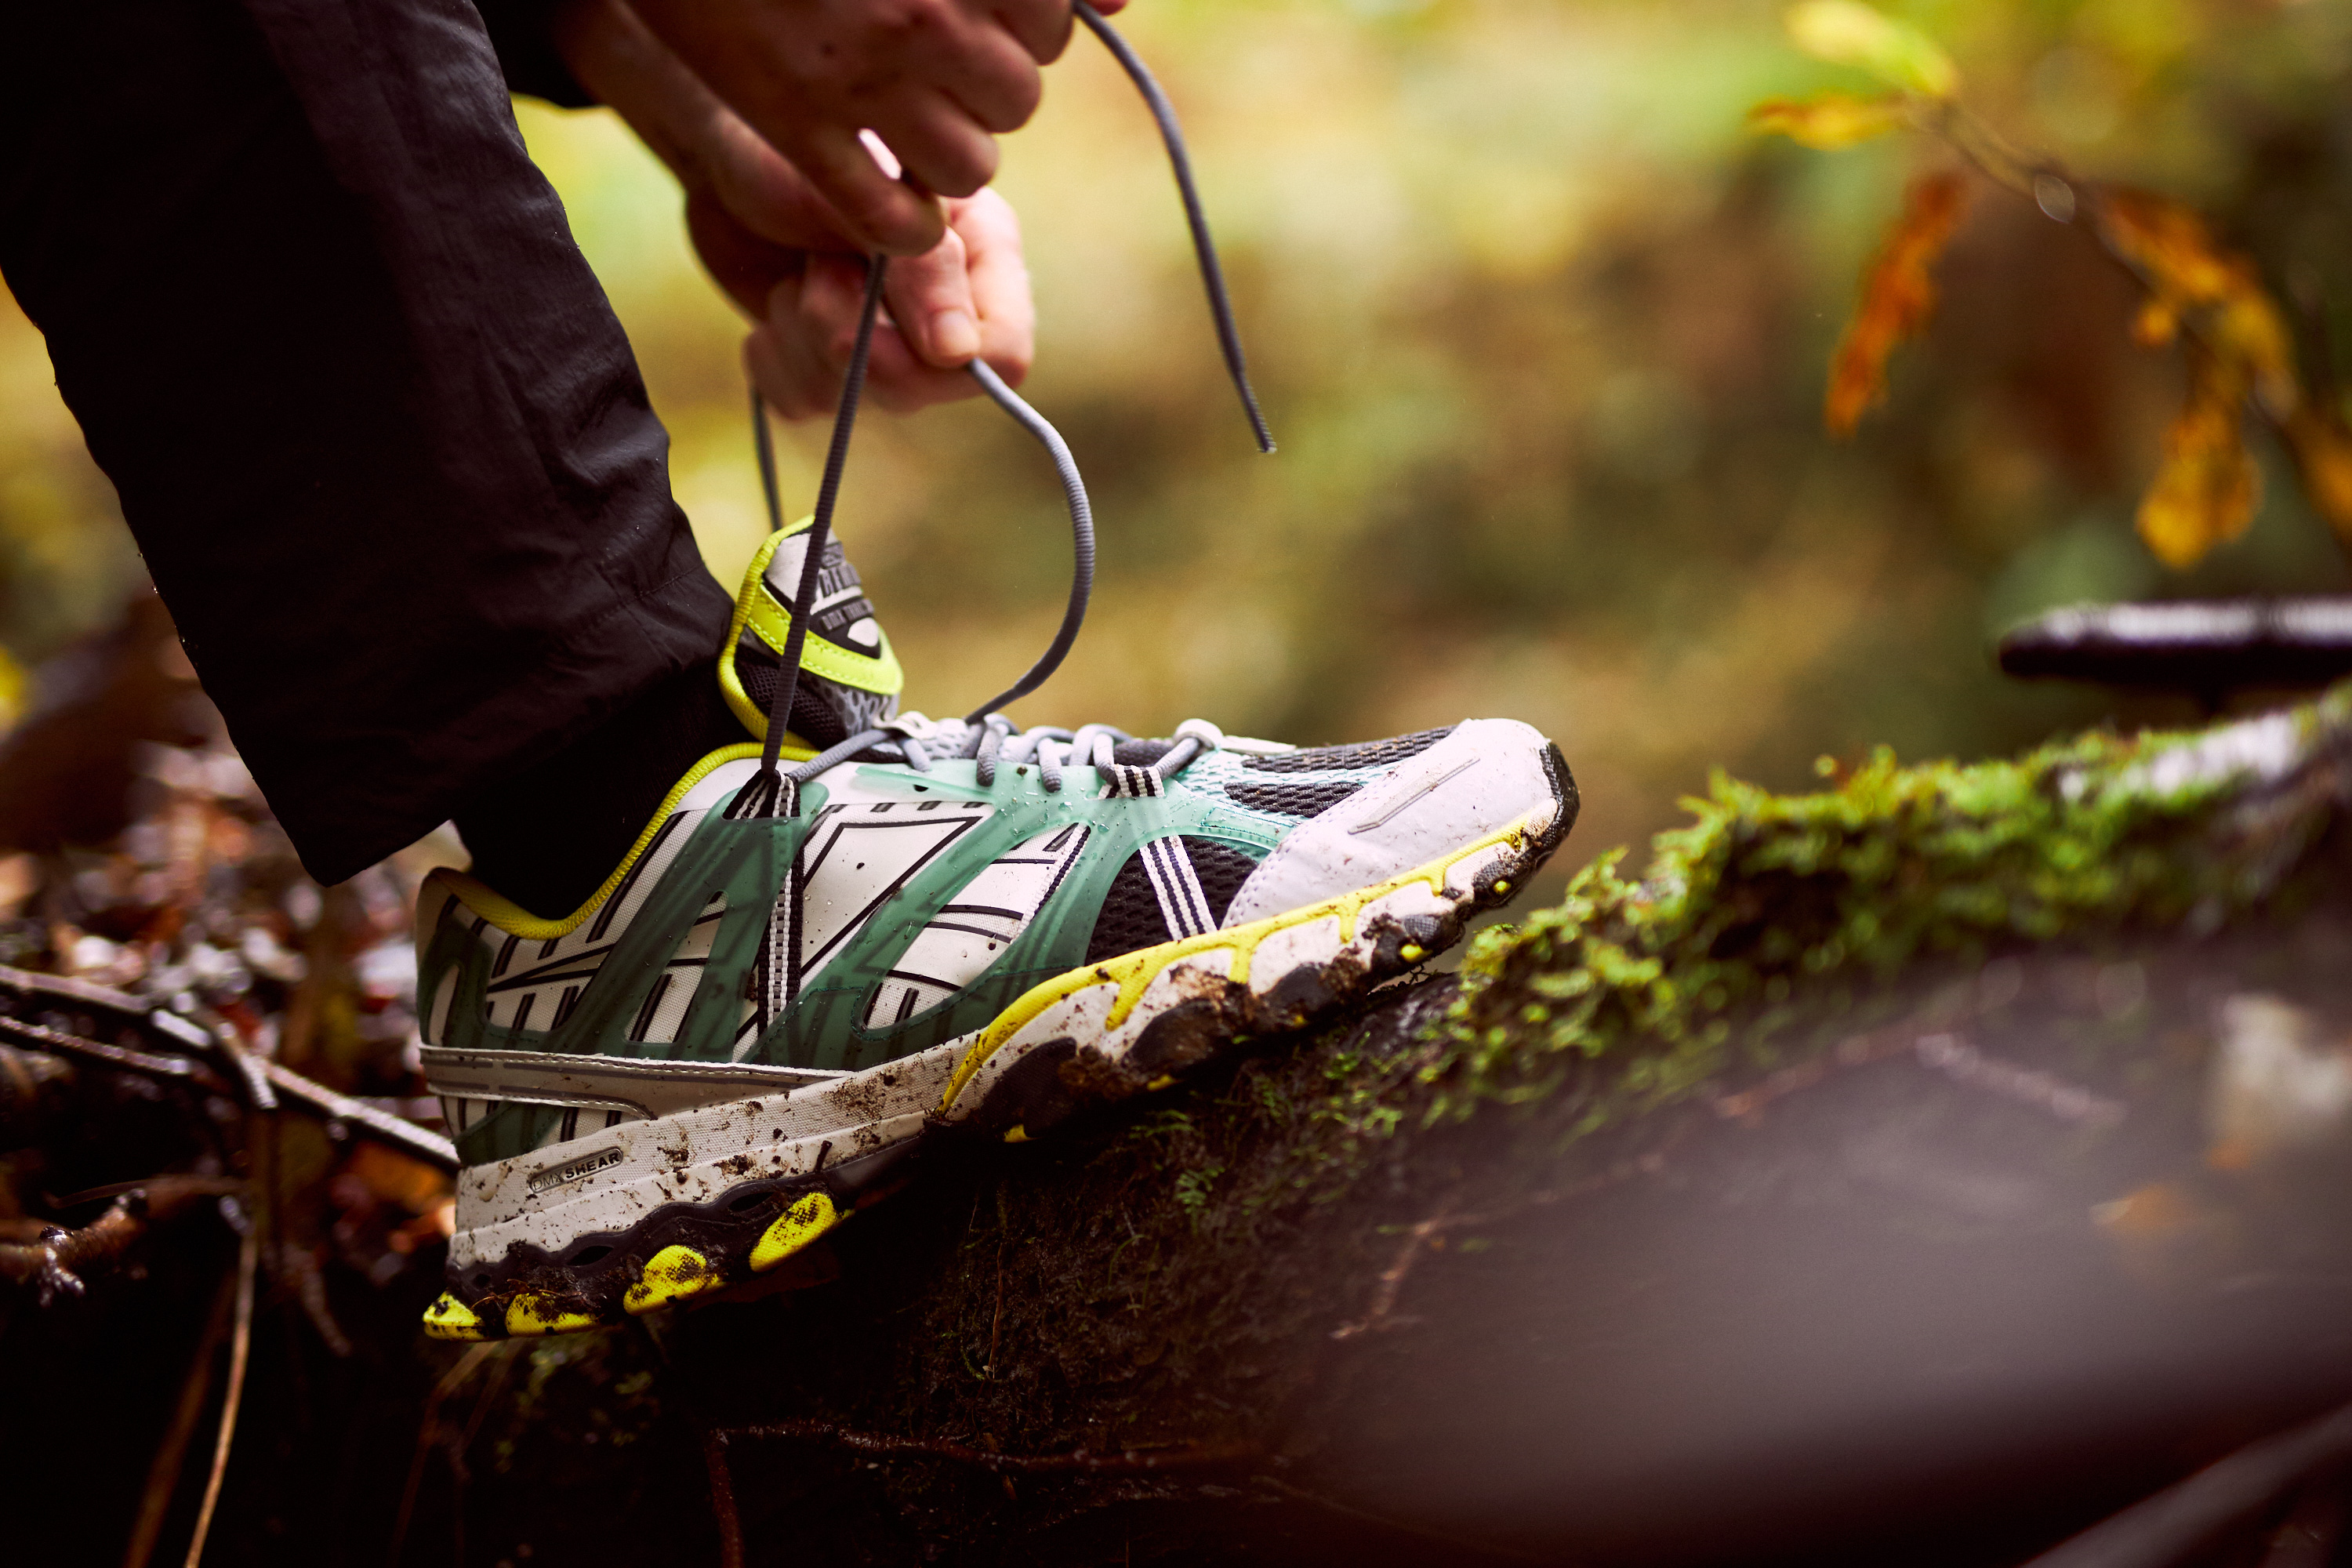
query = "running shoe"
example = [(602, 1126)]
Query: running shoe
[(958, 930)]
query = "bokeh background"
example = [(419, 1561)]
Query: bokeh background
[(1542, 330)]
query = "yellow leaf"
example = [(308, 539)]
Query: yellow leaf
[(2323, 454), (2187, 270), (2206, 489), (1848, 33), (1898, 297), (1833, 120)]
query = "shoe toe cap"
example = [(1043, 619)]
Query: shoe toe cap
[(1485, 776)]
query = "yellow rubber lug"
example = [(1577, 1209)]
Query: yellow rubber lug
[(1163, 1081), (533, 1312), (798, 1225), (450, 1318), (678, 1273), (1017, 1134)]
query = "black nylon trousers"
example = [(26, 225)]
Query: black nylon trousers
[(375, 426)]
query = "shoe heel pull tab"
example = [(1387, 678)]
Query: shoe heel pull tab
[(1204, 250)]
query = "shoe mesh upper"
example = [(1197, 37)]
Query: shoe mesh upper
[(1303, 798), (1131, 917), (1362, 754)]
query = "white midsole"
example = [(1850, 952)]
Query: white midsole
[(691, 1157)]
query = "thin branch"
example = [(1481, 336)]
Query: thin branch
[(248, 1263), (1130, 1461), (427, 1429), (123, 1058), (364, 1119), (55, 1264), (723, 1499), (171, 1453)]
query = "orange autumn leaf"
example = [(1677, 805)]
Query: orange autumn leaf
[(1830, 122), (2206, 489), (2322, 445), (1898, 297), (2187, 272)]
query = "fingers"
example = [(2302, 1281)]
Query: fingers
[(998, 275), (705, 143), (802, 347), (936, 79), (745, 265), (931, 303), (1041, 26)]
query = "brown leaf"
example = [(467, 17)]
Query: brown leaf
[(1898, 297), (1830, 122), (2205, 491)]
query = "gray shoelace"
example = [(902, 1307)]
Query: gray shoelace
[(985, 735)]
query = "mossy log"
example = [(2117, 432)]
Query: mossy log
[(1918, 1170), (1930, 1164)]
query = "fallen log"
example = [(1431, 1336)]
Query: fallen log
[(1921, 1170)]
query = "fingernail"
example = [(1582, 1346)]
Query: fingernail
[(955, 336)]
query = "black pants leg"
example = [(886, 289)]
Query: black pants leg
[(375, 426)]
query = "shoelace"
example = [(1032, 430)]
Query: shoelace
[(987, 736)]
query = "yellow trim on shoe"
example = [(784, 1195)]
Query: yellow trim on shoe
[(757, 609), (515, 920), (1135, 971)]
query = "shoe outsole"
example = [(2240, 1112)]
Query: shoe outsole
[(1093, 1037)]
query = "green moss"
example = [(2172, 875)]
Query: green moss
[(1763, 895)]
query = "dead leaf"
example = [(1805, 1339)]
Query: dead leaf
[(1849, 33), (1831, 120), (2206, 487), (1898, 297)]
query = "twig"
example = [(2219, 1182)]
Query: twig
[(171, 1453), (257, 1078), (55, 1264), (996, 1319), (1348, 1510), (1425, 1235), (1392, 1280), (451, 1380), (1128, 1461), (121, 1057), (364, 1119), (722, 1498), (248, 1263)]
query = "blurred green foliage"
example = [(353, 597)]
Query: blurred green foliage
[(1542, 330)]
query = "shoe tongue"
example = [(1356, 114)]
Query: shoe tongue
[(849, 677)]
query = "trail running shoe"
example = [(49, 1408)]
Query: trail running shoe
[(748, 1031)]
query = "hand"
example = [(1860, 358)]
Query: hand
[(788, 258), (935, 79)]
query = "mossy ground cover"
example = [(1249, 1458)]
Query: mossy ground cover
[(1767, 907)]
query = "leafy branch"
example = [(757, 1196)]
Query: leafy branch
[(2197, 292)]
